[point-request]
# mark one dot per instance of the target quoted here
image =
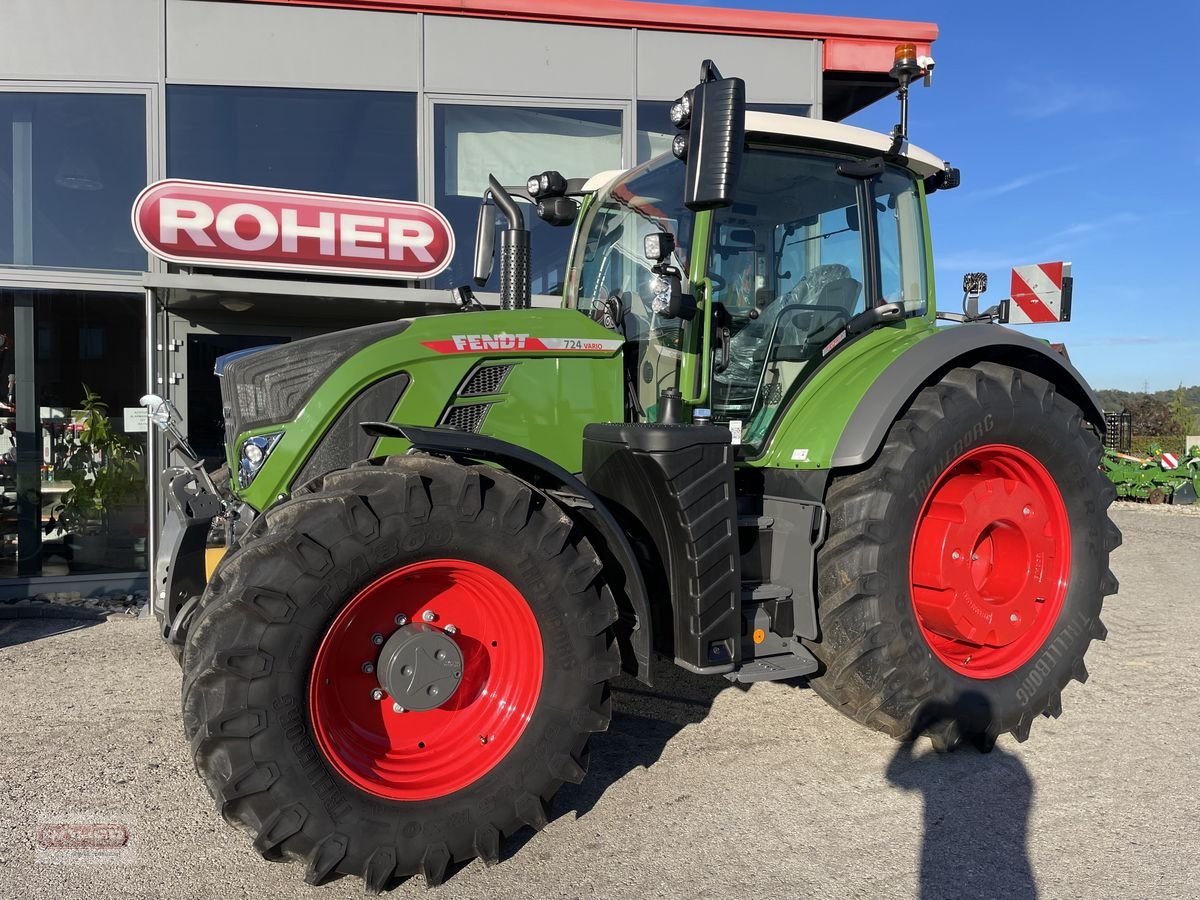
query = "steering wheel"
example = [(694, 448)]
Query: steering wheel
[(718, 282), (838, 313)]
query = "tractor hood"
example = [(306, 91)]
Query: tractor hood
[(226, 359), (533, 377), (267, 385)]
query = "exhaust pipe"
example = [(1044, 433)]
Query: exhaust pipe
[(514, 250)]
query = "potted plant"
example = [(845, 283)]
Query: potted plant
[(104, 467)]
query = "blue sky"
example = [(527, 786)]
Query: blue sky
[(1074, 146)]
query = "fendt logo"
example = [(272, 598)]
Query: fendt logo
[(204, 223)]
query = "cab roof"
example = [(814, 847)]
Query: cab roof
[(921, 162)]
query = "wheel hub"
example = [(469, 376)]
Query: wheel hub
[(420, 667), (990, 560)]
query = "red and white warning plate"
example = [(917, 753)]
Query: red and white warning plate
[(1040, 293), (1170, 461)]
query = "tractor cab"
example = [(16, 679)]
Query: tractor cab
[(814, 237)]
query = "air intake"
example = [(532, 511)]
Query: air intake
[(485, 381), (468, 417)]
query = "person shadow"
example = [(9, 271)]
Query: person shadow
[(976, 807)]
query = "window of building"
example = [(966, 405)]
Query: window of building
[(340, 142), (71, 165), (655, 132), (72, 442), (513, 143)]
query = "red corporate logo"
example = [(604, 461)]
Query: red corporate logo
[(204, 223)]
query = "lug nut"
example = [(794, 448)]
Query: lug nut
[(401, 619), (956, 555), (428, 616), (439, 654), (406, 670), (451, 629), (397, 708), (1014, 618), (1027, 511), (368, 668), (377, 639), (433, 690), (376, 694)]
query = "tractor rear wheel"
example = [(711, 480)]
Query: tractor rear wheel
[(965, 567), (399, 668)]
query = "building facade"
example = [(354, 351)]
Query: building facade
[(380, 98)]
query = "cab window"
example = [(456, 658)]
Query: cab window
[(787, 259), (789, 264)]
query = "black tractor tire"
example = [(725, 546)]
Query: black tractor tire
[(877, 666), (251, 651)]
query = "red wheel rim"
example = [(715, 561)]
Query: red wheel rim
[(415, 755), (991, 560)]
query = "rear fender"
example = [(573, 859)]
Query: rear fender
[(926, 361), (634, 628)]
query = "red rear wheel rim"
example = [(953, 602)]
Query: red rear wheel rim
[(991, 561), (421, 755)]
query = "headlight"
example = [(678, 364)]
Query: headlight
[(679, 146), (253, 453)]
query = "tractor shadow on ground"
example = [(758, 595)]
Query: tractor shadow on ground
[(976, 811), (644, 721), (24, 624)]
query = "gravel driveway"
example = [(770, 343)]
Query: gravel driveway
[(700, 788)]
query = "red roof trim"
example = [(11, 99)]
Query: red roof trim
[(851, 45)]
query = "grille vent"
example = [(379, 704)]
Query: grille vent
[(485, 380), (468, 417)]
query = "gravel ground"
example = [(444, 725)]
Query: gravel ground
[(700, 789)]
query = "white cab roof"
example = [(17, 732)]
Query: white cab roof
[(920, 161)]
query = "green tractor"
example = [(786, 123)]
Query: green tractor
[(743, 444)]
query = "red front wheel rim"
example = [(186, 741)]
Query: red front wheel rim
[(419, 755), (991, 561)]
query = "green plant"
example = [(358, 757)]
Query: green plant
[(103, 466), (1183, 418)]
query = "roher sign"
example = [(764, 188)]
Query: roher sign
[(205, 223)]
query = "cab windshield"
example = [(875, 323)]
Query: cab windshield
[(610, 274), (788, 261)]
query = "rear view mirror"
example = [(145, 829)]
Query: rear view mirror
[(716, 139), (485, 238)]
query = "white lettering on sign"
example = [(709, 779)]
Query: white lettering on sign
[(227, 220), (489, 342), (353, 234), (192, 216), (410, 235), (292, 231)]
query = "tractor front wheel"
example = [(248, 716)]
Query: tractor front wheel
[(399, 668), (964, 571)]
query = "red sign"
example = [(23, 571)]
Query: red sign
[(203, 223)]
